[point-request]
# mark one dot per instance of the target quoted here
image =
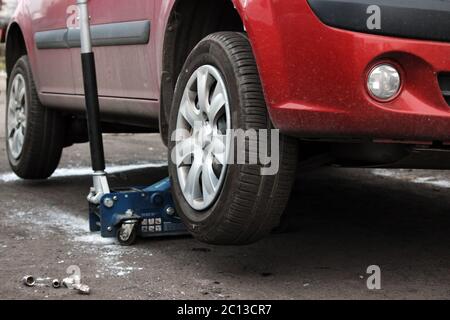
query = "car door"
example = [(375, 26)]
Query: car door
[(122, 45), (53, 57)]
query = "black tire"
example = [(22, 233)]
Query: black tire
[(249, 205), (44, 133)]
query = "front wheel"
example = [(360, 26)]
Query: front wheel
[(34, 133), (217, 93)]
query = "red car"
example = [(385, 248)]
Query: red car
[(356, 83)]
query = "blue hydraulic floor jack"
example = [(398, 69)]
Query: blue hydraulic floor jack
[(128, 212)]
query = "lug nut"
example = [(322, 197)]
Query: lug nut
[(56, 284), (29, 281), (83, 289)]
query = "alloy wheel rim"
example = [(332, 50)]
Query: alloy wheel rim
[(17, 119), (202, 137)]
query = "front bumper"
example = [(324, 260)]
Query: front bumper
[(416, 19), (314, 79)]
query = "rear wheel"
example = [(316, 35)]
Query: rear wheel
[(34, 133), (218, 90)]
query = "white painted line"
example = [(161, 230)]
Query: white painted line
[(86, 171), (407, 176)]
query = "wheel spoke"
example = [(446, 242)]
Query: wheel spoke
[(192, 188), (185, 151), (19, 92), (15, 89), (11, 134), (189, 112), (21, 97), (20, 136), (217, 107), (218, 148), (12, 120), (24, 122), (15, 142), (202, 89), (209, 179)]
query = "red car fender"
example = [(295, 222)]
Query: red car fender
[(22, 20), (261, 21)]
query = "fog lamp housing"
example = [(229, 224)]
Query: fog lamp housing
[(384, 82)]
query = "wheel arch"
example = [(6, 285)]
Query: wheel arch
[(189, 22), (15, 46)]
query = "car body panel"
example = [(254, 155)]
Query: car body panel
[(416, 17), (314, 78), (313, 75), (124, 70), (53, 68)]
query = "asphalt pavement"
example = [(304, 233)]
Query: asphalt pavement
[(340, 222)]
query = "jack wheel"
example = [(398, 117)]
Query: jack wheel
[(127, 234)]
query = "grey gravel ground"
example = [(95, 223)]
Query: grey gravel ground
[(340, 222)]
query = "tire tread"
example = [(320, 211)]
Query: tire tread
[(250, 218)]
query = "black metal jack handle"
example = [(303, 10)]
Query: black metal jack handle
[(100, 181), (93, 111), (91, 90)]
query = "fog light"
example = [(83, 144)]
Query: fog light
[(384, 82)]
